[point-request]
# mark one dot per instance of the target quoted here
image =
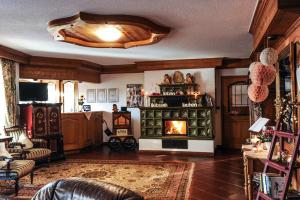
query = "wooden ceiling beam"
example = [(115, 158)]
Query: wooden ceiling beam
[(180, 64), (272, 18), (12, 54)]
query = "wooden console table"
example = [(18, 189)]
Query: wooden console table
[(253, 162)]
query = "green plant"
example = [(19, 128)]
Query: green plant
[(265, 136)]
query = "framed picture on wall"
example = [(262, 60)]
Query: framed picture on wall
[(101, 96), (112, 95), (134, 96), (91, 96)]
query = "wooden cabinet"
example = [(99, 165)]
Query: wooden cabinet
[(121, 121), (43, 120), (81, 130)]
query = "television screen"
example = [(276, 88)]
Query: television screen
[(33, 91)]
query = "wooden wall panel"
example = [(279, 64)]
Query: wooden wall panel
[(80, 132)]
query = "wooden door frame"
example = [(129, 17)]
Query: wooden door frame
[(222, 98)]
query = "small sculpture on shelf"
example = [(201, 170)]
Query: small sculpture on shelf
[(167, 79), (178, 77), (115, 108), (189, 78)]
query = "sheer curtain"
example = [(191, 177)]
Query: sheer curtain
[(8, 93)]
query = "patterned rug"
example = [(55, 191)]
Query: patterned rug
[(153, 180)]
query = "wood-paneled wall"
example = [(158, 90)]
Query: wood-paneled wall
[(80, 132)]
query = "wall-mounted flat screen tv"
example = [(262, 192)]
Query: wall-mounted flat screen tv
[(33, 91)]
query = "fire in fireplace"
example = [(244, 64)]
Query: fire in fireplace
[(175, 127)]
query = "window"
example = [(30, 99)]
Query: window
[(51, 93), (69, 96), (238, 101)]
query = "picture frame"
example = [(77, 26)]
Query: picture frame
[(91, 95), (112, 95), (134, 95), (101, 96)]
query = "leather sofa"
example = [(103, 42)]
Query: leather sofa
[(84, 189)]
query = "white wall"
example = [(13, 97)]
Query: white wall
[(115, 81)]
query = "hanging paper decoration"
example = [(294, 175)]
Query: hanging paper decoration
[(258, 93), (252, 66), (262, 75), (268, 56)]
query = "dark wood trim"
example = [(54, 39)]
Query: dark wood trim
[(180, 64), (273, 18), (236, 63), (183, 153), (12, 54), (65, 30)]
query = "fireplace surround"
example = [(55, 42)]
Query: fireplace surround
[(175, 127)]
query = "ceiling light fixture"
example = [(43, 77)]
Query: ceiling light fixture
[(109, 33)]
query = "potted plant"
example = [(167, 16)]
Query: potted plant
[(81, 102), (265, 137)]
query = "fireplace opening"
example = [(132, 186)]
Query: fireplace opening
[(175, 127)]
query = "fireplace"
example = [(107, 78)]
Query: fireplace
[(175, 127)]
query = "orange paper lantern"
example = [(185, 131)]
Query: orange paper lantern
[(262, 75), (257, 93)]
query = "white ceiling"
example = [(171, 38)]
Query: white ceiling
[(200, 28)]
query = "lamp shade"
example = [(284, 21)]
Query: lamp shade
[(268, 56), (262, 75), (258, 93)]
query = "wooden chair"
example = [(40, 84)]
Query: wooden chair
[(38, 153)]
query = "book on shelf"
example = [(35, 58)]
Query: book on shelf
[(271, 184)]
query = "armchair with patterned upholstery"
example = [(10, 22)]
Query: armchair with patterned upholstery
[(11, 169), (30, 149)]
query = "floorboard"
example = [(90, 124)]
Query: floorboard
[(215, 178)]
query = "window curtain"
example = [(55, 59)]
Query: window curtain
[(8, 69)]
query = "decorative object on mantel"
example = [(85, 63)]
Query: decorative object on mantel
[(189, 78), (106, 31), (167, 79), (258, 93), (262, 75), (268, 56), (178, 77)]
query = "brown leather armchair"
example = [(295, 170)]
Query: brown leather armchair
[(84, 189)]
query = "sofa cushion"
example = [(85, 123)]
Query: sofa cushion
[(85, 189)]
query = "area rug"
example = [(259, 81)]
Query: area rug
[(153, 180)]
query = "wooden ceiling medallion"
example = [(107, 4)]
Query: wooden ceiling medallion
[(82, 29)]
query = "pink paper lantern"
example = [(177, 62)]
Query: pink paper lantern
[(262, 75), (257, 93)]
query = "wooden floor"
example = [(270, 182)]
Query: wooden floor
[(217, 178)]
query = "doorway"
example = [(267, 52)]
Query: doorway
[(235, 111)]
